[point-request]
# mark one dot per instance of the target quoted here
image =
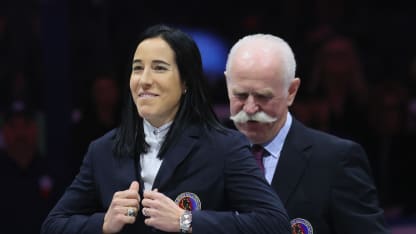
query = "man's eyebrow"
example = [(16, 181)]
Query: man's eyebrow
[(238, 91)]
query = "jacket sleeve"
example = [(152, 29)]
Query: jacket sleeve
[(76, 212), (354, 200), (254, 206)]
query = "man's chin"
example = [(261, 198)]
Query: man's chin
[(251, 126), (253, 136)]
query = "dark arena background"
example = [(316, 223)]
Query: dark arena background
[(65, 65)]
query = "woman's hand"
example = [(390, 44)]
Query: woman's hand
[(161, 212), (123, 209)]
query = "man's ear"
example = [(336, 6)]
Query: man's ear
[(293, 90)]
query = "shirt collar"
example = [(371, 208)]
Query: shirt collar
[(275, 145), (155, 134)]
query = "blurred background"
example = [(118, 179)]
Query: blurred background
[(64, 65)]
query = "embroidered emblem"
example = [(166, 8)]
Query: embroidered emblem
[(188, 201), (301, 226)]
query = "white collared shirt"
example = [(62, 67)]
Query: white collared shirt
[(149, 162), (274, 148)]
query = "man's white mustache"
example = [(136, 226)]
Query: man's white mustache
[(261, 117)]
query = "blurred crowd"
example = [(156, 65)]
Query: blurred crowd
[(353, 86)]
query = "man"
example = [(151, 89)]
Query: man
[(324, 181), (29, 185)]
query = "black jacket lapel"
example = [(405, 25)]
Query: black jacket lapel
[(174, 156), (292, 163)]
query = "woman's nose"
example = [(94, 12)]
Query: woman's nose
[(146, 77)]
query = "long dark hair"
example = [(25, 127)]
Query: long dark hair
[(195, 106)]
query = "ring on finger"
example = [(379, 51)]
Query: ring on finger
[(144, 211), (131, 212)]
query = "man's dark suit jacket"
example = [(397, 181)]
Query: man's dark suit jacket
[(327, 181), (217, 167)]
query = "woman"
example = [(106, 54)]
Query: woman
[(170, 166)]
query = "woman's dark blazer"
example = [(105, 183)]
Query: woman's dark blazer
[(218, 167)]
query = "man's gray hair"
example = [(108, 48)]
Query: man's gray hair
[(286, 54)]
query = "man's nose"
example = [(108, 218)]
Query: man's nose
[(250, 106)]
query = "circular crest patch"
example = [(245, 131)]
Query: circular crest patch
[(188, 201), (301, 226)]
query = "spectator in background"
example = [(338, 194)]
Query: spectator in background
[(100, 114), (29, 186), (389, 146), (19, 86), (324, 181), (338, 84)]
